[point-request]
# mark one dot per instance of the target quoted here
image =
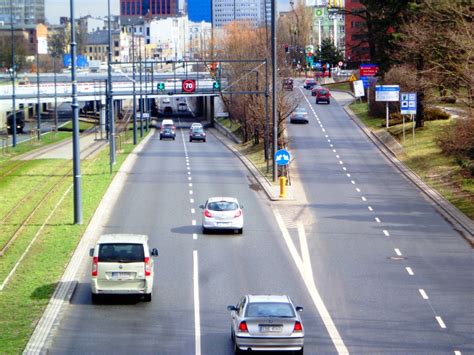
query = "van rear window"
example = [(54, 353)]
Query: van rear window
[(124, 253)]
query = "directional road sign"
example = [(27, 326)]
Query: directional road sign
[(408, 103), (387, 93), (282, 157), (161, 86)]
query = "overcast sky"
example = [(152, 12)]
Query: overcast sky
[(57, 8)]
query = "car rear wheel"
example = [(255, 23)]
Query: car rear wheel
[(300, 352), (204, 230), (147, 297), (240, 230), (237, 351), (95, 298)]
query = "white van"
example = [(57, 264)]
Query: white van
[(122, 264)]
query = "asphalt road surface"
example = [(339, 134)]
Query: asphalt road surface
[(375, 266)]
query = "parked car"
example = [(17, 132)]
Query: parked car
[(266, 322), (323, 95), (197, 133), (309, 83), (299, 115), (222, 213), (122, 264), (168, 129), (288, 84)]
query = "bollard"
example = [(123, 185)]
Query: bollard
[(282, 187)]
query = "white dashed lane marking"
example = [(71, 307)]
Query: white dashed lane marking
[(190, 192), (353, 182), (190, 184), (190, 178), (348, 175), (377, 219), (357, 189), (363, 198), (195, 236), (193, 210), (193, 222), (423, 294), (191, 200), (370, 208), (385, 232), (410, 271), (398, 252), (440, 322)]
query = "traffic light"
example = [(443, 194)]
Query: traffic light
[(161, 86), (216, 85)]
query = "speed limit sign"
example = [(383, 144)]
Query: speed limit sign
[(189, 85)]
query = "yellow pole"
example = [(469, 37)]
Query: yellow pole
[(282, 187)]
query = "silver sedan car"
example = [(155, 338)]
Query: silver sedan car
[(266, 323), (222, 213)]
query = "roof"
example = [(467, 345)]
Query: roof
[(100, 37), (214, 199), (268, 298), (122, 238)]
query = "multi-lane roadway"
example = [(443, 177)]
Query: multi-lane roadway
[(375, 266)]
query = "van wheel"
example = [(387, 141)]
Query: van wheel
[(205, 230), (240, 230), (147, 297), (95, 298)]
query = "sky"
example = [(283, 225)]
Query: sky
[(57, 8)]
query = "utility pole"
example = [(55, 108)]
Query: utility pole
[(13, 73), (110, 98), (141, 91), (38, 116), (55, 94), (75, 126), (134, 87), (274, 91)]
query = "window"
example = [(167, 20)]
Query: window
[(124, 253), (269, 309)]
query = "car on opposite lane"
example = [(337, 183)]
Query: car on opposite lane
[(299, 115), (222, 213), (266, 323)]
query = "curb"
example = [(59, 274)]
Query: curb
[(461, 223), (67, 284)]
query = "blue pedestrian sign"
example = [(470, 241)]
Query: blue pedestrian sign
[(282, 157), (408, 103)]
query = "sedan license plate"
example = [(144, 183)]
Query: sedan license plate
[(122, 275), (271, 328)]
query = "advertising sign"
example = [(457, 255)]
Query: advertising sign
[(387, 93)]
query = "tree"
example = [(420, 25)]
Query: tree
[(329, 53), (57, 43), (6, 53)]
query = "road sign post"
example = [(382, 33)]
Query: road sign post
[(282, 158), (387, 93), (408, 103)]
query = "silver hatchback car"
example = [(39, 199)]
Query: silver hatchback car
[(266, 323)]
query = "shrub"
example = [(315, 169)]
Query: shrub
[(433, 114)]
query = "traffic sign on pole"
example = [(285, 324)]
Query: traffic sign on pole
[(161, 86), (282, 157), (408, 103)]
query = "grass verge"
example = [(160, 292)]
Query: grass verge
[(343, 85), (28, 292), (425, 158)]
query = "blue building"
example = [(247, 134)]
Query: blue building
[(199, 10)]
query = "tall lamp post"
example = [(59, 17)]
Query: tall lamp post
[(110, 100), (134, 84), (141, 91), (75, 126), (12, 72), (274, 91), (38, 117)]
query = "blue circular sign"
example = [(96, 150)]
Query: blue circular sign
[(282, 157)]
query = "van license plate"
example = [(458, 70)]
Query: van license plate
[(122, 275)]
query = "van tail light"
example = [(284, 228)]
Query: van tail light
[(147, 266), (243, 327), (207, 214), (95, 265), (298, 328), (238, 214)]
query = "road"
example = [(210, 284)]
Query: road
[(375, 266)]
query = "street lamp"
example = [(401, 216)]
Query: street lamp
[(12, 73), (134, 84), (274, 91), (141, 91), (110, 99)]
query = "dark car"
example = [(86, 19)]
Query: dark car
[(323, 95), (20, 123), (288, 84), (197, 133), (167, 132), (299, 115), (309, 83), (168, 110), (315, 89)]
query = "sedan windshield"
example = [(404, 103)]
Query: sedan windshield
[(269, 309), (222, 206)]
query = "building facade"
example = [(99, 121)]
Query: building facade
[(255, 12), (357, 47), (199, 10), (25, 12), (97, 45), (152, 8)]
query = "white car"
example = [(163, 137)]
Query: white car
[(182, 107), (222, 213), (122, 264), (166, 100)]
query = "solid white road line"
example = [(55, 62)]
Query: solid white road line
[(440, 322), (312, 289), (398, 252), (423, 294), (410, 271), (386, 233), (305, 251), (197, 315)]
